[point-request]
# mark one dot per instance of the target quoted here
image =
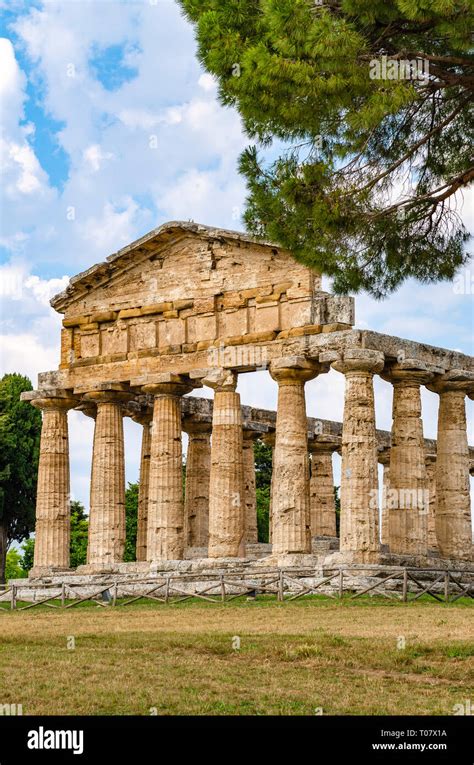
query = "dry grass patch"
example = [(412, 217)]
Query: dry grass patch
[(293, 658)]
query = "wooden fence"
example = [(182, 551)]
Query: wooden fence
[(404, 584)]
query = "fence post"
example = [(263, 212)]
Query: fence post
[(13, 597), (63, 594), (280, 586), (114, 596), (446, 586), (405, 585), (222, 587), (341, 583)]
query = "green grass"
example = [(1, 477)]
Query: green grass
[(294, 658)]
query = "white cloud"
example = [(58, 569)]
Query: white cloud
[(94, 156)]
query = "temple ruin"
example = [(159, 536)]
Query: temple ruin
[(187, 307)]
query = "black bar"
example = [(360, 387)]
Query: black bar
[(421, 739)]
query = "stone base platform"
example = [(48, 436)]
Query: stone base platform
[(262, 572)]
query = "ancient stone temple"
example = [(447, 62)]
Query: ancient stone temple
[(188, 307)]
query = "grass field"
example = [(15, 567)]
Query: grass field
[(294, 658)]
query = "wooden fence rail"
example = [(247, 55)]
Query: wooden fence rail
[(406, 585)]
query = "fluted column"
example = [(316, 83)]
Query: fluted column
[(430, 462), (52, 529), (453, 511), (250, 497), (165, 534), (145, 419), (196, 497), (359, 530), (384, 459), (106, 541), (321, 489), (291, 515), (408, 505), (226, 487)]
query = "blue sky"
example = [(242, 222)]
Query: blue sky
[(109, 128)]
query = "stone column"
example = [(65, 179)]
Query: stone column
[(408, 499), (321, 488), (359, 478), (196, 497), (250, 497), (53, 518), (165, 535), (291, 516), (384, 459), (226, 487), (106, 541), (430, 462), (145, 419), (453, 511)]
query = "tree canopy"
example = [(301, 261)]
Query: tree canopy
[(374, 103), (20, 429)]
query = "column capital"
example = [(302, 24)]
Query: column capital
[(269, 438), (168, 384), (289, 370), (250, 435), (107, 394), (221, 379), (359, 361), (459, 380), (324, 443), (57, 402), (383, 455), (409, 372)]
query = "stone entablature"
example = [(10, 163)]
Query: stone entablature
[(188, 306), (187, 288)]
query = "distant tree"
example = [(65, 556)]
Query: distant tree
[(14, 568), (131, 516), (263, 513), (20, 430), (79, 534), (28, 548), (263, 476)]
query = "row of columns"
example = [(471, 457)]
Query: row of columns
[(226, 519)]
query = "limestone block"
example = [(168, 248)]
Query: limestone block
[(201, 328), (232, 323), (267, 318), (142, 334), (114, 339), (171, 332), (296, 313), (89, 345), (154, 308), (67, 347)]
